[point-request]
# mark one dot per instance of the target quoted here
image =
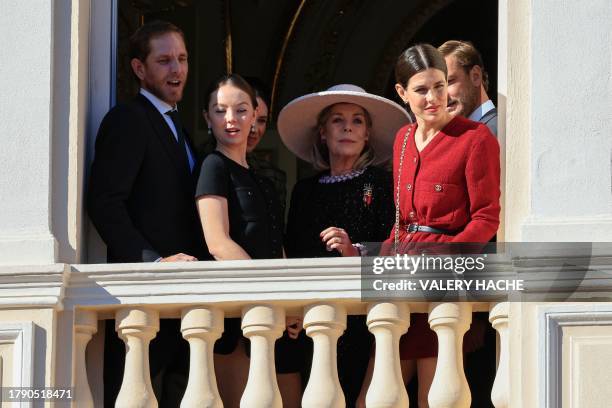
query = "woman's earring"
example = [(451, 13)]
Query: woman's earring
[(253, 128), (209, 131)]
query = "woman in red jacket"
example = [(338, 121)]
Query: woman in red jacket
[(446, 169), (447, 185)]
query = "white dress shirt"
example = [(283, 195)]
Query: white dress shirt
[(481, 111), (163, 107)]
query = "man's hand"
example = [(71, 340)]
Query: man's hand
[(179, 258)]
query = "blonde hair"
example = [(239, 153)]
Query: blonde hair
[(319, 155)]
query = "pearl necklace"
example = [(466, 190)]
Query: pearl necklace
[(329, 179)]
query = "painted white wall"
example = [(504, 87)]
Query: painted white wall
[(26, 29), (70, 104), (571, 121), (38, 367)]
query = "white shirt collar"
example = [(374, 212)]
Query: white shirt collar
[(160, 105), (481, 111)]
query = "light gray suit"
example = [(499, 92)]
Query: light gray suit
[(490, 119)]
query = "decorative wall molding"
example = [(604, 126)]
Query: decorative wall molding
[(21, 336), (551, 320), (37, 286)]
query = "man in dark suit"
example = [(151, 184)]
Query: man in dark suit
[(468, 83), (142, 186), (141, 192)]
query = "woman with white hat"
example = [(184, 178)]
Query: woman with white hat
[(344, 133)]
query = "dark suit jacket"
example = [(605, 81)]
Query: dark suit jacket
[(141, 193)]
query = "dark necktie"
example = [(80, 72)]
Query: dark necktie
[(180, 135)]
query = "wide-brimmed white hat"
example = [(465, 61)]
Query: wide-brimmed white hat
[(297, 121)]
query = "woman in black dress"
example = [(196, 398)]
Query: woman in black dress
[(241, 219), (344, 132), (260, 164)]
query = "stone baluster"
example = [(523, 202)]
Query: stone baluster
[(201, 327), (449, 388), (85, 325), (262, 325), (500, 394), (324, 322), (387, 321), (136, 327)]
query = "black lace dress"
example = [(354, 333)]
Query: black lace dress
[(363, 206)]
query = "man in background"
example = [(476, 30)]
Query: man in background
[(468, 83)]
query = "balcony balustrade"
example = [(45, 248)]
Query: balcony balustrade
[(323, 291)]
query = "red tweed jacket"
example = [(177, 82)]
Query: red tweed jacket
[(452, 184)]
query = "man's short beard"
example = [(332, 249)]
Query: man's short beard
[(159, 92), (469, 102)]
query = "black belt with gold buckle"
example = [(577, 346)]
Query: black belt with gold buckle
[(425, 228)]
